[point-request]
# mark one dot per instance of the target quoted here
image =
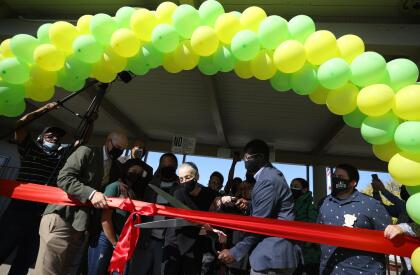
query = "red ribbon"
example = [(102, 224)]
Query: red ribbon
[(352, 238)]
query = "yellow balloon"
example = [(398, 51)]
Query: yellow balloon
[(262, 66), (226, 26), (5, 49), (114, 62), (164, 12), (62, 34), (404, 167), (42, 77), (83, 24), (38, 93), (204, 41), (125, 43), (415, 260), (375, 100), (252, 17), (49, 58), (321, 46), (350, 46), (290, 56), (319, 96), (102, 73), (185, 57), (142, 23), (170, 65), (343, 101), (243, 69), (407, 103), (386, 151)]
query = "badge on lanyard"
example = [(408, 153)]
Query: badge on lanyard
[(349, 220)]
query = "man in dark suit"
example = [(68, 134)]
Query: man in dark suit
[(87, 171), (271, 198)]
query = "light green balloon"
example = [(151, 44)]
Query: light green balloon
[(138, 65), (185, 20), (379, 130), (305, 81), (224, 59), (87, 49), (281, 82), (69, 82), (43, 33), (123, 16), (102, 26), (367, 69), (14, 71), (245, 45), (334, 73), (77, 69), (273, 31), (12, 109), (11, 94), (209, 11), (300, 27), (152, 57), (207, 66), (165, 38), (401, 72), (413, 189), (412, 207), (23, 46), (407, 136), (354, 119), (236, 13)]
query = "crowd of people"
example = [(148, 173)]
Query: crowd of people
[(80, 240)]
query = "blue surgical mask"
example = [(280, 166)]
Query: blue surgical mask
[(49, 146)]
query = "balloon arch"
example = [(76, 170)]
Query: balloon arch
[(381, 98)]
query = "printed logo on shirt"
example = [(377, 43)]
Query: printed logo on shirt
[(349, 220)]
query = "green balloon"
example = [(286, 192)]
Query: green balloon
[(413, 189), (13, 71), (77, 69), (207, 66), (209, 11), (401, 72), (367, 69), (281, 82), (273, 31), (12, 109), (87, 49), (43, 33), (11, 94), (412, 207), (236, 13), (379, 130), (245, 45), (165, 38), (69, 82), (152, 57), (300, 27), (185, 20), (224, 59), (305, 81), (407, 136), (23, 47), (102, 26), (138, 65), (334, 73), (123, 16), (354, 119)]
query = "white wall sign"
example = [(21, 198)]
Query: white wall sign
[(183, 145)]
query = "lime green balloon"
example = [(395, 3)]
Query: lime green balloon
[(153, 57), (207, 66), (87, 49), (123, 16), (245, 45), (413, 189), (224, 59), (334, 73), (401, 72), (354, 119), (12, 109), (379, 130), (209, 11), (305, 80), (76, 68), (412, 207), (11, 94), (281, 82), (138, 65), (407, 136), (69, 82), (300, 27), (14, 71), (185, 20), (43, 33), (273, 31), (368, 68), (23, 47), (165, 38), (102, 26)]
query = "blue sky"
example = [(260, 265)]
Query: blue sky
[(207, 165)]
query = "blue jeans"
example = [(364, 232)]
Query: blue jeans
[(99, 256)]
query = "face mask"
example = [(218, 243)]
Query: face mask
[(132, 178), (115, 153), (189, 185), (339, 185), (296, 193), (252, 165), (167, 172), (49, 146)]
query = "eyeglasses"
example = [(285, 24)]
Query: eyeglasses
[(249, 156)]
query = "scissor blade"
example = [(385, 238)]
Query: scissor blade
[(171, 223), (171, 199)]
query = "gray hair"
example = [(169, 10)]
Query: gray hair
[(193, 167)]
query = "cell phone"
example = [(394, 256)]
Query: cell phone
[(375, 176)]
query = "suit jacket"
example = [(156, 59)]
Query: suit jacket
[(270, 198), (81, 175)]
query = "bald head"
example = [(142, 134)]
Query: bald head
[(115, 143)]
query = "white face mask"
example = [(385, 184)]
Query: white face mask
[(49, 146)]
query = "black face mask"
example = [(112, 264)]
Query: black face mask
[(252, 165), (114, 153), (189, 185), (133, 178), (296, 193), (338, 185), (168, 172)]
